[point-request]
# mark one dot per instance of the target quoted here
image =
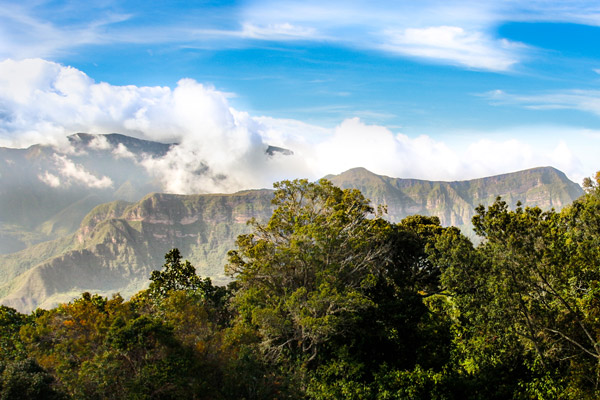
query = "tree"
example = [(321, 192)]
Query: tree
[(342, 300), (24, 380), (11, 322), (304, 275), (530, 298), (177, 275), (592, 185)]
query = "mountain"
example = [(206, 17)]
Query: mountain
[(454, 202), (119, 243), (45, 191)]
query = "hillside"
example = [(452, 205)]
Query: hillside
[(119, 243), (45, 191), (454, 202)]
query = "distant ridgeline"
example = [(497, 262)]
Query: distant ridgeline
[(454, 202), (46, 191), (60, 242)]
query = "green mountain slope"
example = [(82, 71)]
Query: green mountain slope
[(455, 202), (45, 191), (119, 243), (40, 197)]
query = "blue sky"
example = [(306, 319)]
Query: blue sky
[(489, 87)]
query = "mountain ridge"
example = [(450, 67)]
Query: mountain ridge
[(119, 243), (546, 187)]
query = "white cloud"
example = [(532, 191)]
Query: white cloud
[(578, 12), (563, 158), (457, 33), (492, 156), (582, 100), (75, 173), (121, 151), (50, 179), (570, 149), (223, 149), (280, 31), (25, 33), (461, 33), (397, 27), (378, 149), (100, 143), (454, 45)]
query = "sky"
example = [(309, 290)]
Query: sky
[(439, 90)]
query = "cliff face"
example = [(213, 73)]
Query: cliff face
[(455, 202), (119, 243)]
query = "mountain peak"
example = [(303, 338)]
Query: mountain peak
[(454, 202), (113, 140), (355, 173)]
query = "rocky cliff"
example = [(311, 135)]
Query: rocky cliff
[(455, 202), (118, 244)]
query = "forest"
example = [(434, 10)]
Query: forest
[(328, 300)]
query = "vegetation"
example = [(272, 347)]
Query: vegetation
[(330, 301)]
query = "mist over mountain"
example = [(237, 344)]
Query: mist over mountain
[(42, 101), (45, 191), (118, 244)]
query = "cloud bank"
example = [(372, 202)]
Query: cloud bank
[(223, 149)]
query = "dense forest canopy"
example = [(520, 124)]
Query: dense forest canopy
[(330, 301)]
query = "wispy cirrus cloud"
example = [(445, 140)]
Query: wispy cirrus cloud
[(574, 99), (282, 31), (455, 45), (583, 12), (462, 33), (25, 32), (459, 35)]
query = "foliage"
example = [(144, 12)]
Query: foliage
[(11, 322), (25, 379), (592, 185), (177, 275), (334, 293), (528, 300), (303, 276), (329, 301)]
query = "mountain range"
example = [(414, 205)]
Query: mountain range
[(45, 191), (81, 220)]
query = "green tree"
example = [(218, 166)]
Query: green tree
[(11, 321), (177, 275), (592, 185), (303, 276), (26, 380), (339, 297), (528, 300)]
